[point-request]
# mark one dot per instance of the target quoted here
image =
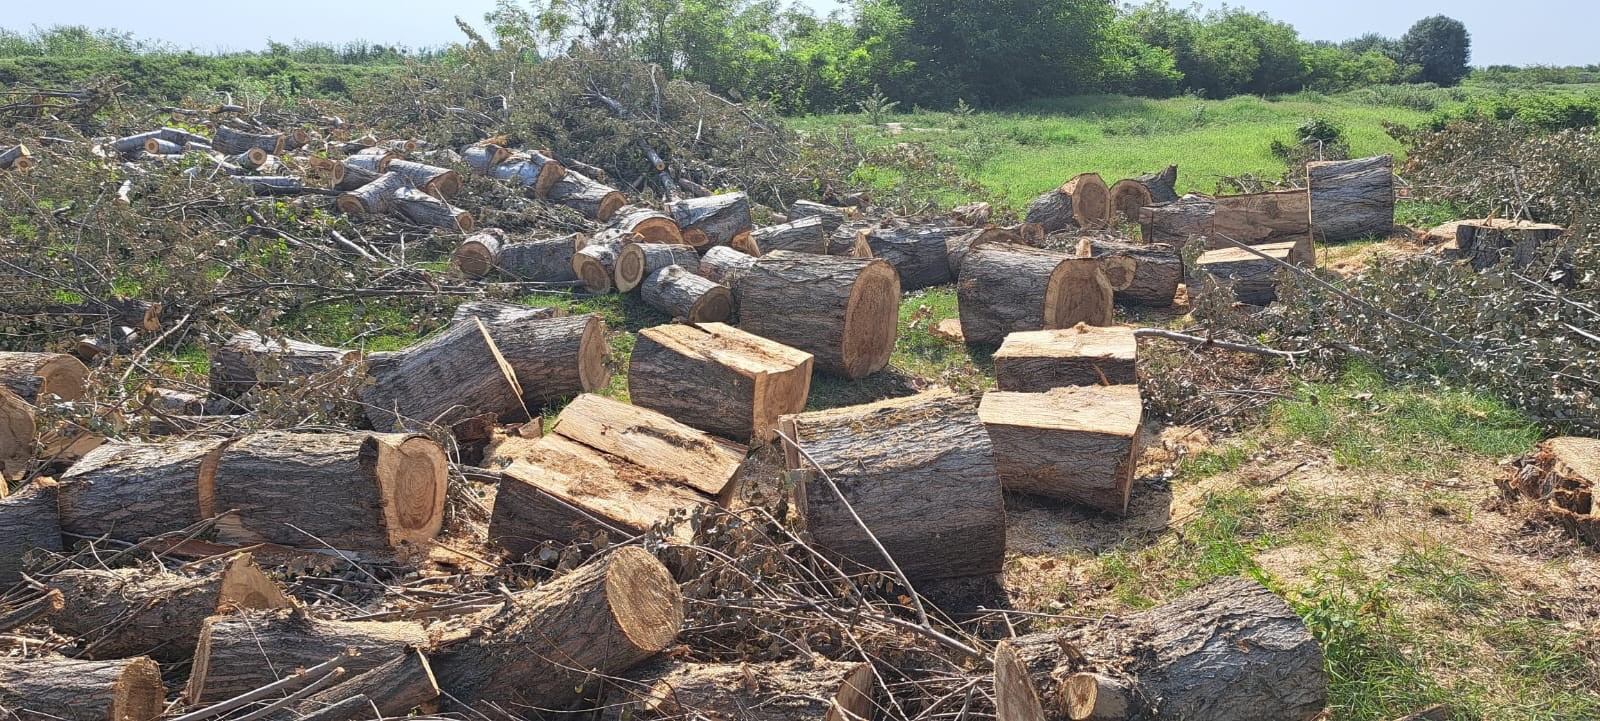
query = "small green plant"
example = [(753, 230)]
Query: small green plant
[(877, 106)]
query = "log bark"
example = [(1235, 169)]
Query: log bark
[(494, 312), (374, 159), (1253, 279), (368, 493), (843, 311), (920, 473), (957, 247), (1561, 480), (248, 361), (844, 240), (1036, 361), (1351, 199), (652, 226), (17, 158), (831, 217), (134, 491), (535, 172), (638, 261), (595, 264), (353, 177), (653, 441), (157, 146), (1176, 223), (237, 653), (726, 266), (806, 235), (1083, 202), (770, 691), (485, 157), (463, 358), (547, 260), (1078, 444), (1007, 288), (1486, 242), (374, 198), (1156, 268), (1230, 650), (1128, 196), (274, 184), (441, 183), (424, 209), (592, 171), (229, 141), (1280, 216), (719, 379), (714, 220), (43, 377), (1162, 186), (682, 294), (552, 358), (919, 253), (595, 200), (28, 522), (394, 688), (17, 434), (60, 689), (602, 618)]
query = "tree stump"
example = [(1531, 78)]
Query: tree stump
[(1176, 223), (134, 491), (919, 253), (1083, 202), (920, 473), (56, 688), (1127, 197), (28, 521), (248, 361), (831, 217), (763, 691), (1036, 361), (805, 235), (242, 652), (553, 358), (1561, 479), (1254, 279), (1486, 242), (638, 261), (39, 377), (714, 220), (1007, 288), (652, 441), (682, 294), (1078, 444), (652, 226), (1351, 199), (718, 378), (843, 311), (596, 200), (463, 358)]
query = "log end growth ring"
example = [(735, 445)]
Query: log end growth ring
[(592, 349), (645, 601), (139, 694), (871, 318), (716, 306), (413, 475)]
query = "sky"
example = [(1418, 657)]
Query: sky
[(1547, 32)]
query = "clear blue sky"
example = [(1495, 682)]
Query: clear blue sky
[(1553, 32)]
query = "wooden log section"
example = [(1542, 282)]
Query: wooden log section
[(1154, 271), (1127, 196), (638, 261), (1087, 295), (595, 263), (535, 172), (28, 523), (919, 253), (353, 177), (652, 441), (374, 198), (919, 472), (248, 361), (843, 240), (1561, 479), (424, 209), (1254, 280), (719, 379), (1083, 202), (764, 691), (1230, 650), (1279, 216), (463, 358), (157, 146), (477, 255), (374, 160), (552, 358), (230, 141), (17, 158), (1162, 186), (327, 173), (682, 294), (17, 434), (831, 217), (274, 184), (242, 652), (726, 266), (484, 157), (1036, 361), (394, 688), (957, 246), (652, 226), (367, 493), (594, 199), (42, 377), (495, 312), (547, 260), (1007, 288), (441, 183), (70, 690), (1486, 242), (131, 611), (843, 311), (602, 618), (1351, 199), (806, 235), (1078, 444), (714, 220), (1176, 223), (133, 491)]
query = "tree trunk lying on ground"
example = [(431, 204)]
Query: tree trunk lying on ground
[(535, 172), (28, 522), (17, 434), (918, 471), (1007, 288), (463, 358), (677, 292), (806, 235), (374, 198), (17, 158), (552, 358), (248, 361), (1230, 650), (242, 652), (957, 247), (769, 691), (57, 688), (35, 377), (1157, 269), (230, 141), (714, 220), (1161, 185), (919, 253), (1280, 216), (718, 378), (1077, 444), (1177, 222), (374, 159), (842, 241), (547, 260), (638, 261), (1127, 197), (1351, 199), (843, 311), (1254, 279), (595, 200), (134, 491), (1036, 361), (1486, 242), (653, 441), (831, 217), (424, 209), (652, 226), (441, 183), (595, 264), (726, 266), (485, 156), (1083, 202)]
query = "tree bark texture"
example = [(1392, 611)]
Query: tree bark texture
[(806, 235), (769, 691), (1351, 199), (441, 183), (638, 261), (1078, 444), (726, 266), (1157, 269), (374, 198), (248, 361), (713, 220), (1036, 361), (242, 652), (229, 141), (1161, 185), (553, 358), (1082, 202), (595, 264), (843, 311), (651, 225), (1007, 288), (1254, 280), (718, 378), (57, 689), (1485, 243), (463, 358), (1280, 216), (535, 172), (17, 434), (1176, 223), (919, 253), (28, 522), (831, 217), (597, 201), (424, 209), (134, 491), (679, 293)]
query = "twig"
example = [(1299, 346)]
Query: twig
[(309, 689), (1214, 343), (300, 679)]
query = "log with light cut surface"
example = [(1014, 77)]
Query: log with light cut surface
[(1087, 295), (594, 199), (62, 689), (1254, 279), (718, 378), (713, 220), (18, 158), (375, 198), (237, 653), (1006, 288), (463, 358), (534, 171), (1176, 223), (809, 690), (843, 311), (595, 264), (1078, 444), (17, 434), (28, 523), (552, 358), (442, 183), (957, 247), (652, 441), (1156, 270), (248, 361), (805, 235), (42, 377), (679, 293), (1036, 361), (1351, 199), (831, 217), (484, 157), (230, 141), (651, 225), (374, 160), (133, 491), (638, 261), (1083, 202), (424, 209), (1127, 196)]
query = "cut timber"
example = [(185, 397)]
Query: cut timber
[(248, 361), (831, 217), (17, 433), (1127, 197), (484, 157), (552, 358), (133, 491), (28, 522), (1007, 288), (374, 198), (920, 474), (638, 261), (714, 220), (129, 611), (1561, 478), (463, 358), (242, 652), (718, 378), (919, 253), (1254, 279), (1077, 444), (682, 294), (1230, 650), (1280, 216), (1351, 199), (974, 214), (957, 247), (542, 651), (369, 493), (843, 311), (39, 377), (764, 691), (442, 183), (843, 240), (1088, 294), (424, 209), (652, 226), (16, 157), (1036, 361), (1156, 269), (493, 312), (595, 264), (595, 200), (394, 688), (353, 178), (1161, 186), (535, 172), (1176, 223), (652, 441), (477, 255), (1487, 242), (373, 160), (806, 235), (726, 266), (1083, 202), (536, 261), (229, 141), (68, 690)]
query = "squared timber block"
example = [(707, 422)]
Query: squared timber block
[(1076, 444), (719, 379), (653, 442), (1254, 279), (1084, 355)]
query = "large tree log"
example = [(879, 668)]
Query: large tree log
[(1280, 216), (37, 377), (1486, 242), (726, 266), (831, 217), (535, 171), (1083, 202), (783, 691), (1161, 185), (714, 220), (494, 312), (374, 198), (424, 209), (1036, 361), (353, 177), (1254, 280), (17, 434), (133, 491), (1088, 295), (595, 263), (368, 493), (651, 225), (1077, 444), (1006, 288), (237, 653), (602, 618), (463, 358), (129, 611), (594, 199), (718, 378), (1176, 223), (248, 361), (919, 472), (806, 235), (373, 160), (553, 358), (1230, 650), (919, 253), (638, 261), (1157, 269), (1127, 197), (230, 141), (844, 239), (957, 247), (1351, 199), (652, 441), (28, 521), (547, 260), (60, 689), (843, 311), (682, 294), (442, 183)]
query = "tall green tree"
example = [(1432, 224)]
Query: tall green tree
[(1441, 47)]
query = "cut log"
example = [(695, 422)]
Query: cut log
[(394, 688), (1007, 288), (973, 214), (638, 261), (719, 379), (157, 146), (463, 358), (1486, 242), (1178, 222), (494, 312), (248, 361), (919, 253), (1254, 280), (831, 217), (1128, 196), (537, 173), (806, 235), (274, 184), (352, 177), (552, 358), (1280, 216), (484, 157), (133, 491), (1078, 444), (128, 611), (374, 160), (17, 435), (1088, 294), (652, 226), (919, 473), (1351, 199), (1230, 650), (652, 441), (726, 266), (42, 377), (595, 200), (16, 157), (1083, 202), (714, 220), (598, 620), (1162, 186), (237, 653), (782, 691), (229, 141), (548, 260), (1156, 269), (595, 264), (957, 247), (477, 256), (1036, 361), (367, 493), (844, 240), (28, 523), (70, 690), (424, 209), (374, 198), (441, 183), (843, 311), (682, 294)]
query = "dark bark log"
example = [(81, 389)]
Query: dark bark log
[(552, 358), (682, 294), (1486, 242), (441, 183), (1176, 223), (230, 141), (1351, 199), (831, 217), (714, 220), (1128, 196), (374, 198), (1254, 280), (1077, 444), (16, 157), (638, 261), (1083, 202), (1157, 269), (782, 691), (806, 235), (653, 441), (238, 653), (843, 311), (58, 689), (28, 522), (1162, 186), (548, 260), (844, 240), (718, 378), (43, 377), (247, 361), (1007, 288), (1036, 361), (919, 253), (424, 209), (276, 185), (957, 247), (1281, 216), (585, 168), (595, 200), (353, 178)]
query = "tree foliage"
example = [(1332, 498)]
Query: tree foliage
[(1441, 47)]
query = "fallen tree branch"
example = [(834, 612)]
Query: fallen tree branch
[(1208, 342)]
